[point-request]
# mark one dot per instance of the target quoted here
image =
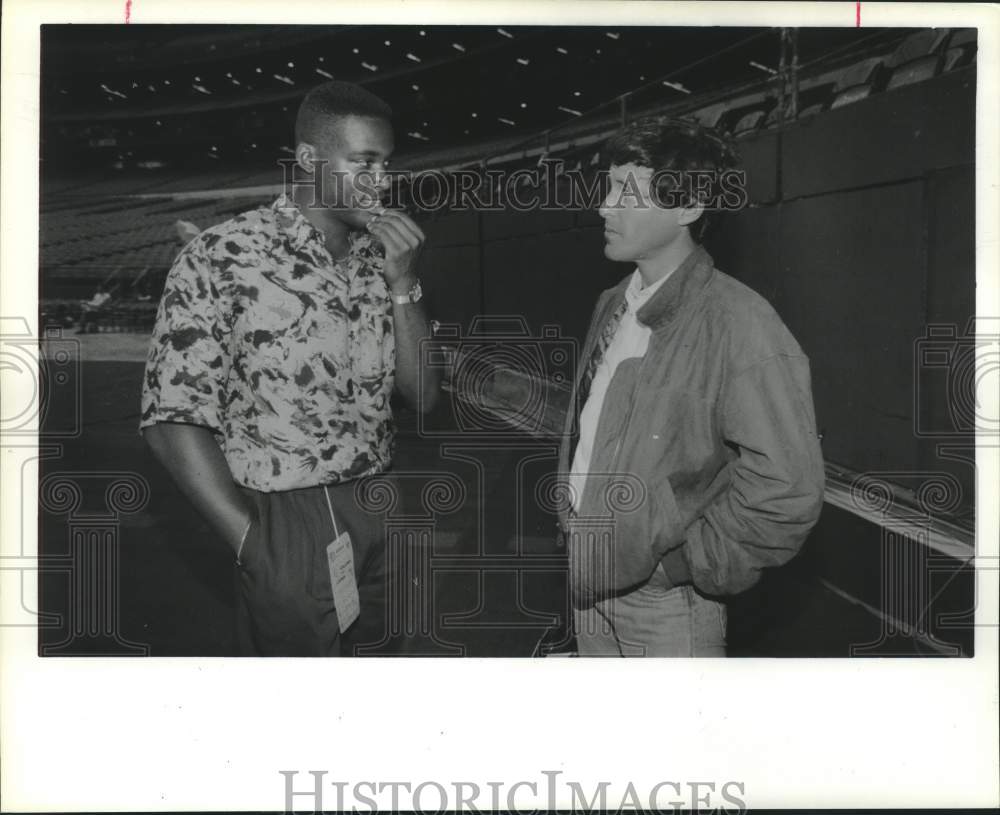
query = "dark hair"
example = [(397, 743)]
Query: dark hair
[(679, 146), (333, 99)]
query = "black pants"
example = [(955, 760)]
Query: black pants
[(284, 599)]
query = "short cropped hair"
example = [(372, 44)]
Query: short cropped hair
[(333, 99), (679, 145)]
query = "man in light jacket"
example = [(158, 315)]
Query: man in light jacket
[(691, 451)]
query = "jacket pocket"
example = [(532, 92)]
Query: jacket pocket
[(666, 523)]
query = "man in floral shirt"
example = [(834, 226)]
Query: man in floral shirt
[(279, 340)]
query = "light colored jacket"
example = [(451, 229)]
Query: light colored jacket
[(706, 461)]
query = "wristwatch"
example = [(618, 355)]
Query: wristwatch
[(412, 296)]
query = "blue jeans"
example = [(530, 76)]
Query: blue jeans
[(653, 621)]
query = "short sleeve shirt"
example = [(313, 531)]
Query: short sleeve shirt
[(287, 355)]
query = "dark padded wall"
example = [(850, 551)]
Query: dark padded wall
[(951, 283), (545, 267), (851, 290), (449, 268), (903, 133)]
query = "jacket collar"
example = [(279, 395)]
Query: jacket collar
[(681, 287)]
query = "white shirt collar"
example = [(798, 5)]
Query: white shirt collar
[(637, 295)]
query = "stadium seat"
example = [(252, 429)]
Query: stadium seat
[(915, 71), (918, 45), (856, 82), (749, 123), (711, 118), (962, 37), (860, 73), (961, 49), (957, 58), (851, 95)]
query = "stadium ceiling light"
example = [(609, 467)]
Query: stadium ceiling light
[(763, 68), (388, 43), (229, 74), (284, 79), (322, 59), (458, 47), (474, 114), (677, 86), (562, 50), (523, 61), (356, 50), (506, 121), (570, 110), (236, 82), (151, 87), (259, 71), (197, 79), (415, 87), (524, 104), (507, 34), (321, 72), (413, 57), (614, 35), (166, 81), (423, 33), (369, 66), (202, 89), (576, 93), (291, 64)]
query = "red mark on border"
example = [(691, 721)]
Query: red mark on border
[(128, 11), (857, 13)]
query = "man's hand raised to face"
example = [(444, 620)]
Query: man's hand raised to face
[(403, 240)]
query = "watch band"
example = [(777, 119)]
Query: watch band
[(412, 296)]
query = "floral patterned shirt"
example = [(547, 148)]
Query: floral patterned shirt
[(287, 355)]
